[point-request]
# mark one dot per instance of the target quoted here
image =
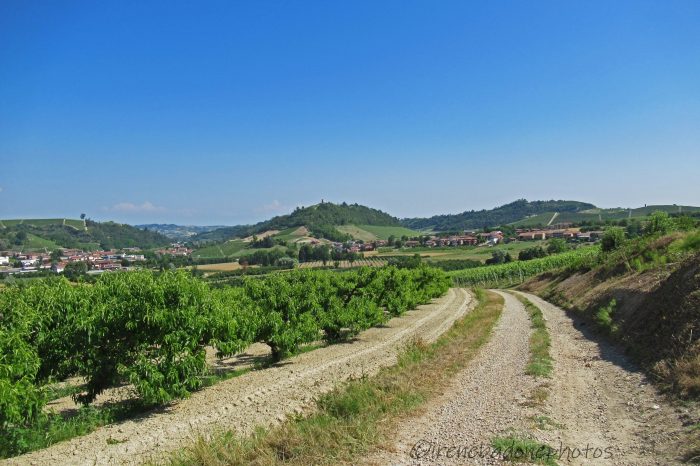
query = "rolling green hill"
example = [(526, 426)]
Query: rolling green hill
[(601, 215), (49, 234), (320, 219)]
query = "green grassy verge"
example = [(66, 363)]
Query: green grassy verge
[(540, 364), (55, 428), (360, 415), (520, 449)]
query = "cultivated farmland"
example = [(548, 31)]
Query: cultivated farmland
[(220, 251), (53, 330), (516, 272)]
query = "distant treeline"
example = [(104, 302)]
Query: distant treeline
[(504, 214)]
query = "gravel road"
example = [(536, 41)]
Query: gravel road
[(601, 409), (257, 398), (484, 399), (602, 400)]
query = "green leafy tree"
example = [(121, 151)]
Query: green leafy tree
[(659, 223), (612, 239), (75, 270), (499, 257), (634, 229), (287, 309), (146, 329), (532, 253), (56, 255), (151, 329), (20, 237), (556, 246), (684, 223)]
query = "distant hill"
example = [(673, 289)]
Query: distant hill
[(43, 234), (321, 220), (597, 215), (505, 214), (523, 213), (178, 232)]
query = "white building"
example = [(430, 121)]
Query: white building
[(4, 260), (26, 263)]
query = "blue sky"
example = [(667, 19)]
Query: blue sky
[(231, 112)]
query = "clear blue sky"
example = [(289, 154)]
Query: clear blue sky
[(231, 112)]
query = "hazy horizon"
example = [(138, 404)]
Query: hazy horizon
[(231, 113)]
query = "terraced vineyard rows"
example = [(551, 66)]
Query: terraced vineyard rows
[(365, 262)]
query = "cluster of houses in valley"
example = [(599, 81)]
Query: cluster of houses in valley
[(569, 234), (467, 239), (175, 249), (96, 260), (472, 238)]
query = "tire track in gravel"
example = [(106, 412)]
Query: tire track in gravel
[(600, 399), (257, 398), (483, 400)]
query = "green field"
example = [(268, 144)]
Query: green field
[(463, 252), (38, 222), (35, 222), (357, 232), (231, 249), (227, 249), (383, 232), (541, 219), (248, 251), (36, 242), (75, 223), (292, 234)]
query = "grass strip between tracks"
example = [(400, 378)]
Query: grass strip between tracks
[(540, 364), (521, 447), (362, 414)]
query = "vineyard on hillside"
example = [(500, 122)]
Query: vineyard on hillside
[(151, 330), (517, 272), (360, 262)]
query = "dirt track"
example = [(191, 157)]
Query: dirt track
[(483, 400), (597, 400), (257, 398), (600, 398)]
